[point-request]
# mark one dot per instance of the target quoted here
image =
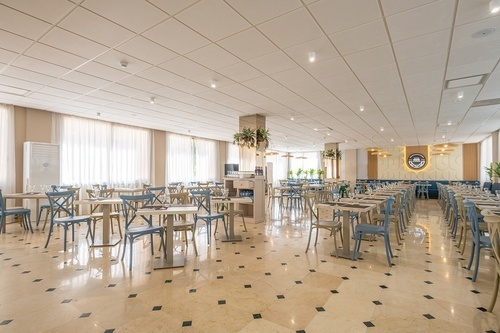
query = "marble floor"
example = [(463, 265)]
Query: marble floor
[(266, 283)]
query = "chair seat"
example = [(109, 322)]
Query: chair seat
[(69, 219), (327, 224), (178, 225), (142, 229), (236, 212), (210, 216), (17, 210), (369, 228)]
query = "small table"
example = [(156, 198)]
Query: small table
[(346, 208), (30, 195), (106, 220), (172, 260), (231, 201)]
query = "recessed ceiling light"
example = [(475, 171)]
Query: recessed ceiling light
[(449, 123), (381, 129), (460, 95), (152, 100), (292, 118), (345, 141), (315, 129), (328, 134), (361, 108), (465, 81), (312, 56), (213, 84), (286, 138), (392, 140), (494, 6)]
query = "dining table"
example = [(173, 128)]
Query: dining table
[(106, 238), (169, 210), (37, 196), (231, 201), (346, 208)]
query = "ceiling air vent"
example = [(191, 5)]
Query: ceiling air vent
[(486, 102)]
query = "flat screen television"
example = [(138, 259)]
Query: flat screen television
[(230, 169)]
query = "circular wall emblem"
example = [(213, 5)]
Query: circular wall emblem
[(416, 161)]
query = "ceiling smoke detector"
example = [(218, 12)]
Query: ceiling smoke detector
[(484, 33), (124, 64)]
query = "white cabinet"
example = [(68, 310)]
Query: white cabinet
[(254, 212)]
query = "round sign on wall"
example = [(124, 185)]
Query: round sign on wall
[(416, 161)]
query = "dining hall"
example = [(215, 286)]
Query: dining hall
[(249, 166)]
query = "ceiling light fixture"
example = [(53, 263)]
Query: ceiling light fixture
[(392, 140), (287, 155), (123, 64), (361, 108), (460, 95), (152, 100), (328, 134), (292, 118), (315, 129), (272, 153), (381, 129), (213, 84), (312, 56), (494, 6)]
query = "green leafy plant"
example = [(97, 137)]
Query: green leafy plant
[(338, 154), (290, 173), (489, 171), (496, 169), (329, 154), (320, 172), (299, 172), (251, 138), (311, 172)]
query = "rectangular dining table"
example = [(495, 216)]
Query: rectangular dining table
[(28, 195), (172, 260), (106, 238), (346, 208), (231, 202)]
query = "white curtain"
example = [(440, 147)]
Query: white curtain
[(486, 158), (7, 149), (94, 151), (206, 159), (180, 158), (232, 154), (280, 167), (312, 161)]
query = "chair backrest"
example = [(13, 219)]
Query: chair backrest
[(296, 189), (158, 192), (470, 208), (179, 198), (487, 186), (495, 187), (387, 214), (202, 200), (494, 231), (2, 208), (133, 202), (61, 203)]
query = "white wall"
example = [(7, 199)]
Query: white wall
[(362, 164)]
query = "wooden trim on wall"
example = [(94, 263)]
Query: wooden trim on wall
[(470, 161), (372, 166)]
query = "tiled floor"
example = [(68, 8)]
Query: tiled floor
[(266, 283)]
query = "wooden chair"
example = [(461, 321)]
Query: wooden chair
[(97, 215), (493, 221), (181, 224)]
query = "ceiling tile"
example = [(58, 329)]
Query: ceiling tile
[(423, 64), (273, 63), (437, 42), (360, 38), (179, 38), (214, 19), (160, 75), (142, 48), (22, 24), (72, 43), (14, 42), (89, 25), (352, 13), (462, 36), (248, 44), (102, 71), (55, 56), (184, 67), (114, 59), (322, 47), (40, 66), (213, 56), (421, 20), (285, 32), (136, 15), (86, 79), (376, 57), (240, 72), (392, 7), (327, 68), (258, 11)]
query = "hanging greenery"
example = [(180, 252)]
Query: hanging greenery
[(251, 138), (332, 154)]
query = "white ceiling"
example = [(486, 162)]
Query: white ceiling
[(394, 57)]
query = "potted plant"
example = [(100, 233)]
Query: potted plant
[(290, 174), (338, 154), (251, 138), (262, 137), (329, 154), (319, 172), (299, 172), (496, 171), (489, 172), (312, 171)]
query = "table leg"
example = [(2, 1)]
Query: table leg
[(232, 237), (171, 260), (345, 251), (106, 226)]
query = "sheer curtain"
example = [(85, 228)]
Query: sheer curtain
[(7, 149), (232, 154), (95, 151), (486, 158), (206, 160), (280, 167), (180, 158)]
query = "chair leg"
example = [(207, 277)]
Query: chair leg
[(48, 236), (131, 253), (225, 226), (91, 233), (472, 249), (46, 218), (495, 294), (309, 240), (388, 251), (194, 243), (244, 224), (216, 225), (124, 247), (65, 236), (465, 241), (476, 268), (335, 244)]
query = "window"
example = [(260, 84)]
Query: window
[(100, 152), (191, 159), (486, 158)]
